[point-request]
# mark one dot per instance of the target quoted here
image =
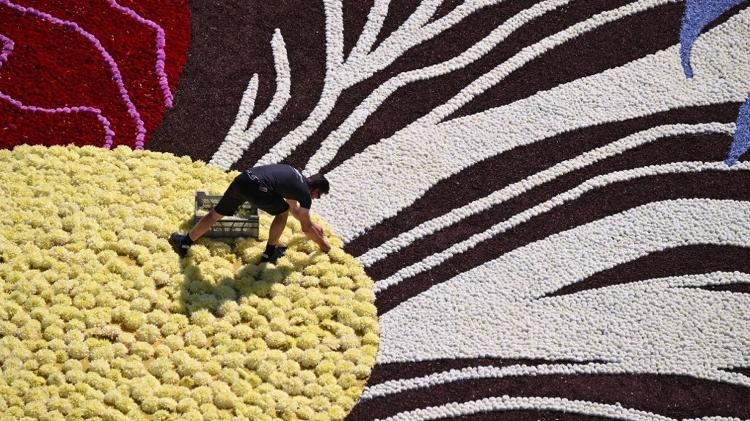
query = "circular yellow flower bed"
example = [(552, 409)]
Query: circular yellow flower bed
[(99, 317)]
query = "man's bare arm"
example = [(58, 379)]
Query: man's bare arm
[(311, 230)]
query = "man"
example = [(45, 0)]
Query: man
[(278, 189)]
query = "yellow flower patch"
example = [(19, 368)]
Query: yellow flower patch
[(99, 317)]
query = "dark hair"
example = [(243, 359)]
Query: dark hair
[(318, 181)]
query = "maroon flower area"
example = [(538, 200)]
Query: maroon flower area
[(99, 72)]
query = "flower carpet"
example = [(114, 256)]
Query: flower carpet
[(539, 210)]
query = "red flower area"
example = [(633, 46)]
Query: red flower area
[(93, 72)]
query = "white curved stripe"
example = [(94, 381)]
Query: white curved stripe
[(403, 167), (530, 182), (414, 31), (531, 52), (500, 300), (372, 28), (397, 42), (334, 12), (228, 151), (238, 139), (713, 419), (506, 403), (396, 386), (364, 110), (359, 68), (570, 195)]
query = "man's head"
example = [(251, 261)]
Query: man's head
[(318, 185)]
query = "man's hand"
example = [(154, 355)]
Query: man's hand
[(325, 247), (313, 231), (317, 228), (318, 232)]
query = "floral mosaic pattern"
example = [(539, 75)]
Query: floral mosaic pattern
[(550, 195)]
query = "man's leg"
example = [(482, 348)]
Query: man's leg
[(230, 201), (273, 252), (204, 225), (277, 228), (181, 243)]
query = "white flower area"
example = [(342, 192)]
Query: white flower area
[(516, 189), (441, 149), (517, 322), (653, 326)]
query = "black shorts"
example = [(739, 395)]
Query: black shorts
[(247, 188)]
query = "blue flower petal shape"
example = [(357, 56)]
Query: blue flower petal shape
[(741, 142), (698, 15)]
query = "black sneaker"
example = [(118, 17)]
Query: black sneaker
[(175, 240), (277, 252)]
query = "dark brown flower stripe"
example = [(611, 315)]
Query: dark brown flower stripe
[(231, 42), (247, 51), (607, 47), (743, 288), (591, 206), (518, 163), (668, 395), (400, 110), (742, 370), (665, 150), (394, 371), (676, 149), (685, 260)]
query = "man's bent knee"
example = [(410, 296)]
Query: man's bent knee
[(215, 216)]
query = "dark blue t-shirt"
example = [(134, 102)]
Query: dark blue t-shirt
[(285, 181)]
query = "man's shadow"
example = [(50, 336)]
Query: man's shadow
[(253, 278)]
